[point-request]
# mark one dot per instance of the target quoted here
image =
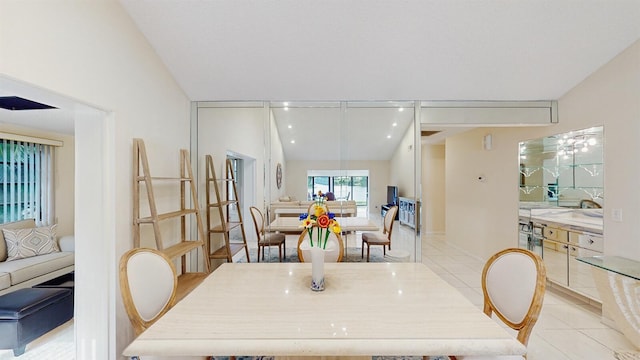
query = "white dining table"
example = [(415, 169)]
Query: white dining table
[(366, 309), (347, 224)]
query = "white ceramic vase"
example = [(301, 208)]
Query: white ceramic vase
[(317, 268)]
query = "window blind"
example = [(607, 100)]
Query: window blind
[(26, 178)]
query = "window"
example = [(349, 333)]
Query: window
[(26, 181), (343, 187), (318, 183)]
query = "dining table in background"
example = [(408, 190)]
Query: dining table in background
[(347, 224), (366, 309), (295, 212)]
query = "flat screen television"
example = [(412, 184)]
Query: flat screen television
[(392, 195)]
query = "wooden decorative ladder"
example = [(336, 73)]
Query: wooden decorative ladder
[(143, 181), (223, 205)]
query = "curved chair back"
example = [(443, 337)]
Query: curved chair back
[(589, 204), (513, 283), (148, 284), (258, 221), (334, 250), (389, 218), (312, 208)]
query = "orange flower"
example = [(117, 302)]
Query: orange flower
[(323, 221)]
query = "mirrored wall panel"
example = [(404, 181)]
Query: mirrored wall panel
[(561, 200), (563, 170), (358, 157)]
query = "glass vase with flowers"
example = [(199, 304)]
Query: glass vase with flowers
[(318, 224)]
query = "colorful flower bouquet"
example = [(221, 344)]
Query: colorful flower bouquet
[(319, 217)]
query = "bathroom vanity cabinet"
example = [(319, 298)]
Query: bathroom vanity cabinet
[(564, 235)]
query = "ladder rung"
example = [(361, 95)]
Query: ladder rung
[(221, 253), (142, 178), (223, 203), (181, 248), (169, 215), (221, 180), (229, 226)]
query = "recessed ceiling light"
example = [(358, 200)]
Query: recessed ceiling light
[(401, 109), (286, 108), (290, 126), (285, 103), (293, 141), (394, 124), (388, 136)]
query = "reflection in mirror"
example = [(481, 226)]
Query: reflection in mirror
[(350, 152), (563, 170), (287, 152), (561, 200)]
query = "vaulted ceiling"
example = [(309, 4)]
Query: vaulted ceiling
[(297, 50), (384, 49)]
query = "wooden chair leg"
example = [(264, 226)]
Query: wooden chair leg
[(280, 253), (368, 248), (362, 249)]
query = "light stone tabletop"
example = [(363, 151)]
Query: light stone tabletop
[(365, 309)]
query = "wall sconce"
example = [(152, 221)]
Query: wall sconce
[(487, 142)]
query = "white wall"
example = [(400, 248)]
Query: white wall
[(433, 188), (611, 96), (275, 156), (482, 216), (402, 168), (91, 51)]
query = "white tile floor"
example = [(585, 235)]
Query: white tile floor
[(566, 329), (55, 345)]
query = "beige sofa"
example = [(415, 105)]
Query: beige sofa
[(295, 208), (27, 272)]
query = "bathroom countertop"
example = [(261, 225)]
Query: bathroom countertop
[(581, 220)]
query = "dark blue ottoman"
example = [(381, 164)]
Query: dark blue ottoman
[(66, 281), (27, 314)]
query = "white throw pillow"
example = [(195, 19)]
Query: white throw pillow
[(24, 243)]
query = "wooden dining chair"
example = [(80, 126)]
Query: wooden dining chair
[(148, 284), (384, 238), (513, 284), (312, 208), (267, 239), (334, 251), (589, 204)]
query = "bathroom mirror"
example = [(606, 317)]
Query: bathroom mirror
[(563, 170), (561, 200)]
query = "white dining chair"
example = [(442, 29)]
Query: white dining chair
[(148, 283), (513, 284)]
